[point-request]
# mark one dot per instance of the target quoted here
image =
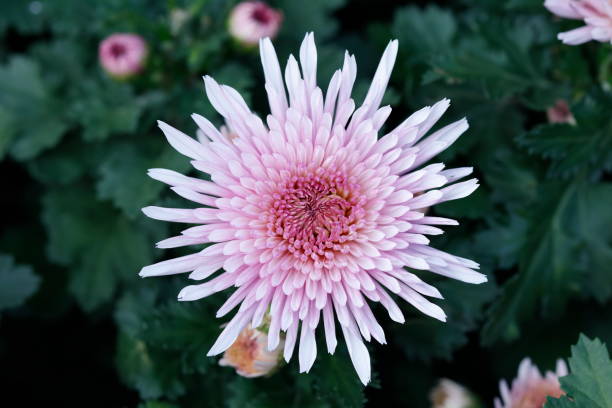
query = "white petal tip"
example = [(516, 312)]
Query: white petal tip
[(147, 210), (483, 279)]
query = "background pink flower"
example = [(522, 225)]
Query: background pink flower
[(311, 214), (530, 388), (123, 55), (597, 15), (251, 21), (250, 356), (560, 113)]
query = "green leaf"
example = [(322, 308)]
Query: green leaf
[(17, 283), (498, 54), (247, 393), (425, 338), (21, 15), (589, 383), (301, 17), (424, 33), (570, 148), (7, 130), (545, 273), (123, 174), (336, 382), (101, 248), (563, 233), (31, 115), (58, 165), (592, 224), (559, 403), (162, 347), (140, 369), (422, 338), (106, 107), (513, 177)]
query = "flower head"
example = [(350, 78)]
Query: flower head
[(530, 388), (597, 15), (311, 215), (250, 356), (560, 113), (123, 55), (251, 21), (449, 394)]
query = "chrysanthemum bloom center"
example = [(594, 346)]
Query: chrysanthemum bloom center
[(315, 214), (262, 13), (117, 50)]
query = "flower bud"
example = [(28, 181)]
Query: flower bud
[(250, 356), (449, 394), (250, 21), (123, 55), (560, 113)]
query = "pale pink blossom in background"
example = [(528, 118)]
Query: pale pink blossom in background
[(560, 113), (250, 356), (250, 21), (596, 14), (311, 215), (530, 388), (449, 394), (123, 54)]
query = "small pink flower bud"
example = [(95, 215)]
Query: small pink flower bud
[(250, 356), (560, 113), (123, 55), (250, 21)]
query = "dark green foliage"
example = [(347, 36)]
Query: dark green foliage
[(101, 248), (24, 94), (75, 146), (589, 383), (559, 257), (570, 149), (17, 283)]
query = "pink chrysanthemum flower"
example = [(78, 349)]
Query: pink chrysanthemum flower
[(597, 15), (123, 54), (313, 214), (530, 389), (250, 21)]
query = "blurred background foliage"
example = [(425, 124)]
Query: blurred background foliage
[(79, 327)]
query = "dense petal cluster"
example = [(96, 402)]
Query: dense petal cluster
[(312, 215), (123, 54), (530, 389), (597, 16), (251, 21)]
